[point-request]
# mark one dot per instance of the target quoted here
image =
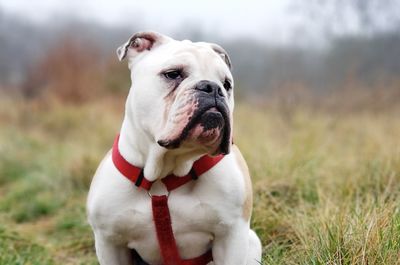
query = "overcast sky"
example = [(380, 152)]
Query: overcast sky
[(274, 21), (263, 19)]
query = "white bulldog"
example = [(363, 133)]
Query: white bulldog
[(179, 108)]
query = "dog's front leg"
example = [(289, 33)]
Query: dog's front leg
[(110, 254), (232, 247)]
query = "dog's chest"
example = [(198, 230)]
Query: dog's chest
[(195, 217), (122, 213), (189, 212)]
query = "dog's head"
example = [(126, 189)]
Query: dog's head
[(182, 92)]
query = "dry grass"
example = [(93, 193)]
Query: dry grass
[(327, 185)]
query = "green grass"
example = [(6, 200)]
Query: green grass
[(16, 250), (326, 185)]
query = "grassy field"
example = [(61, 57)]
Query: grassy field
[(327, 185)]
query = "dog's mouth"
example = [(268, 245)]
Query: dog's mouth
[(209, 127)]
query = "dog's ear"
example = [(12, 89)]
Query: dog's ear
[(140, 42), (221, 52)]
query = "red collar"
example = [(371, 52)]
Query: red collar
[(171, 182)]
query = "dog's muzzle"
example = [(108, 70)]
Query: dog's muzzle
[(210, 123)]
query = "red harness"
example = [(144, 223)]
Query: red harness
[(161, 216)]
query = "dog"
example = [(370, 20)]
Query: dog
[(178, 113)]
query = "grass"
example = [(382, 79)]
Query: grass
[(327, 185)]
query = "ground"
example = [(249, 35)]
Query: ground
[(327, 183)]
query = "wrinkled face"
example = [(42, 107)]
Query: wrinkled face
[(182, 95)]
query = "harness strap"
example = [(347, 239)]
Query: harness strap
[(171, 182), (165, 235), (131, 172), (201, 165), (161, 215)]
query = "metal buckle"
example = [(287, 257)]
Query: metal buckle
[(151, 195)]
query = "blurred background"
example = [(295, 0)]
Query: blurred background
[(292, 50), (317, 89)]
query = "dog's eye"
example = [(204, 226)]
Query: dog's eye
[(173, 74), (227, 85)]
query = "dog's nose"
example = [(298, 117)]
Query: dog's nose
[(210, 88)]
